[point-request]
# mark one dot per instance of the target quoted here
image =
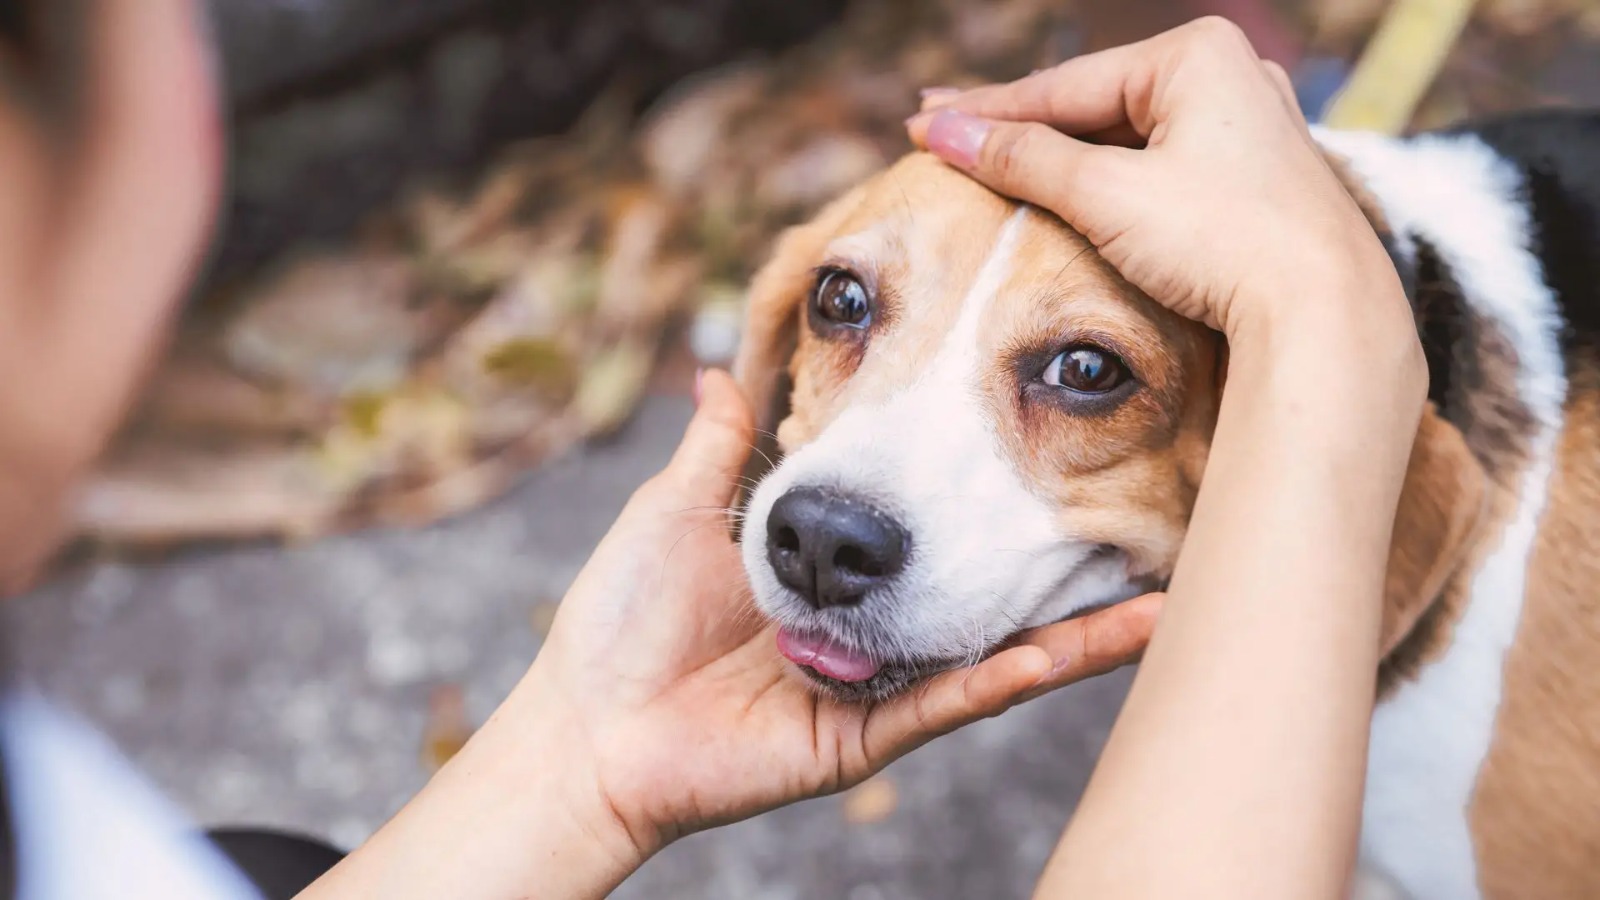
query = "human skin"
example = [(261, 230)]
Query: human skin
[(110, 165)]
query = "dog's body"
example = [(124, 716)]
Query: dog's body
[(989, 430)]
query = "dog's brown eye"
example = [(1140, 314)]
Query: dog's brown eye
[(841, 299), (1085, 370)]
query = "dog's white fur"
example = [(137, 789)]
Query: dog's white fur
[(1430, 739)]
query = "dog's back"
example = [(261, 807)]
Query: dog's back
[(1485, 761)]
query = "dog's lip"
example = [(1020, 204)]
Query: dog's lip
[(859, 669), (826, 656)]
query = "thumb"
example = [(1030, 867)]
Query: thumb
[(1032, 162), (714, 450)]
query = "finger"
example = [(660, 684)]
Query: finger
[(1034, 163), (935, 97), (951, 700), (1280, 79), (1095, 644), (1283, 84), (1122, 134), (1078, 96), (1110, 90), (717, 445)]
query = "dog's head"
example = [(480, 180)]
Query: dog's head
[(983, 429)]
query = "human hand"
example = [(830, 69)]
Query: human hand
[(1225, 209), (109, 166), (661, 698)]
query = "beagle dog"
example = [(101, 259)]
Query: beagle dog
[(984, 429)]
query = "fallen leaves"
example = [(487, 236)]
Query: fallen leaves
[(447, 728), (871, 801), (466, 335), (543, 616)]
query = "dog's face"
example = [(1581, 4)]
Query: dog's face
[(988, 430)]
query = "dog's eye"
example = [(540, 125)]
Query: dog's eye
[(841, 299), (1085, 370)]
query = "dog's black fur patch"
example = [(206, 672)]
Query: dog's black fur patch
[(1557, 152)]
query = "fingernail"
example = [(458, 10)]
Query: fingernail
[(929, 93), (699, 377), (1062, 664), (1049, 678), (956, 137)]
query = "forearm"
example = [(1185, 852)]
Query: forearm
[(508, 817), (1241, 748)]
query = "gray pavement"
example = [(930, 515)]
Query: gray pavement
[(288, 687)]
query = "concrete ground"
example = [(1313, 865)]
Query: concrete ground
[(289, 687)]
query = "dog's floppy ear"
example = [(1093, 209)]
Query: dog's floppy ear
[(771, 325), (772, 311), (1446, 490), (1442, 504), (773, 307)]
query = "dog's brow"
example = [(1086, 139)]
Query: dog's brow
[(905, 200), (1075, 258), (864, 244)]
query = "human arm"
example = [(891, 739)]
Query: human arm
[(1236, 766)]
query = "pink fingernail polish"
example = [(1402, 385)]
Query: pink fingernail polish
[(956, 137), (699, 377)]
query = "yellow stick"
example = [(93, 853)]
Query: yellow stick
[(1400, 63)]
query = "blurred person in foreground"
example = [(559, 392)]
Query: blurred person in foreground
[(658, 705)]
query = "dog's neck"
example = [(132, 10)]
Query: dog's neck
[(1466, 455)]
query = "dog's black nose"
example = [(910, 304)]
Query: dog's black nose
[(832, 548)]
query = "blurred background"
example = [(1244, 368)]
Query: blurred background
[(474, 251)]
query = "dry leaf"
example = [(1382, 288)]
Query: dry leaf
[(1526, 18), (872, 801), (161, 495), (612, 386), (544, 616), (190, 395), (687, 127), (540, 364), (823, 168), (331, 323), (447, 729)]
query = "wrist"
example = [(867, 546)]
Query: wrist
[(1346, 285), (1350, 340), (533, 771), (516, 813)]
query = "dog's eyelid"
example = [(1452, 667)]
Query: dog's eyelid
[(1039, 354), (830, 265)]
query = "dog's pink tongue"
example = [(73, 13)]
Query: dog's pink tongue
[(828, 657)]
